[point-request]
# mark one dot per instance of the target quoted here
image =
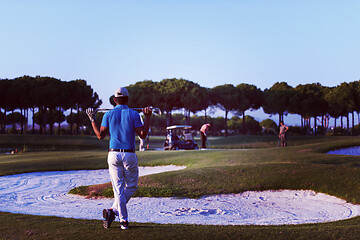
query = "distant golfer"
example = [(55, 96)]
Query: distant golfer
[(203, 134), (141, 144), (121, 123), (282, 134)]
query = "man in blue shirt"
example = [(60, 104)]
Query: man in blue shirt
[(121, 123)]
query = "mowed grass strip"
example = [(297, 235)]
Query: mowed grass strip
[(18, 227), (52, 161)]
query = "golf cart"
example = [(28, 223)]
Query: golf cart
[(179, 137)]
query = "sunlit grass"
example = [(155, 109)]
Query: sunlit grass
[(302, 165)]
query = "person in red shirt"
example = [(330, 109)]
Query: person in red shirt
[(203, 132)]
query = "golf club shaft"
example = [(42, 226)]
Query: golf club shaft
[(155, 110)]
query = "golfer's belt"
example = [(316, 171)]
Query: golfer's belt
[(121, 150)]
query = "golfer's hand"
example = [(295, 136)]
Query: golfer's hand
[(91, 114), (147, 111)]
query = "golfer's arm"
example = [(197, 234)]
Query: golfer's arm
[(100, 133), (144, 130)]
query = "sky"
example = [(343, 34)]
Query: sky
[(112, 43)]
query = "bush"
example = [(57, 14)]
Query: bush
[(339, 131), (356, 130), (269, 127), (252, 126), (295, 131)]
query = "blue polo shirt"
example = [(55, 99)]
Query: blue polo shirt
[(122, 122)]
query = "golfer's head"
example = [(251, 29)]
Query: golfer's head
[(121, 96)]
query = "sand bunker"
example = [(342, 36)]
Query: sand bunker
[(346, 151), (46, 194)]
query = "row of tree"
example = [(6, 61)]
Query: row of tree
[(310, 101), (48, 98), (174, 94), (314, 101)]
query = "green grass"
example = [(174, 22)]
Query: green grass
[(31, 143), (16, 226), (303, 165), (51, 143), (234, 171), (52, 161), (259, 141)]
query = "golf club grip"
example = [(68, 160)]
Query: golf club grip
[(155, 110)]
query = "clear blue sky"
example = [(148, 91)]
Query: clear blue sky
[(116, 43)]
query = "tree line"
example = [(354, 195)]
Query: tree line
[(310, 101), (314, 101), (175, 94), (48, 98)]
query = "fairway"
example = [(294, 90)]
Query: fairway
[(300, 166)]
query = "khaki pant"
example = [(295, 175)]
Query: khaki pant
[(124, 174), (283, 140)]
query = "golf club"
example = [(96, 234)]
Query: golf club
[(207, 142), (155, 110)]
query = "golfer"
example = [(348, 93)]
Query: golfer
[(203, 134), (121, 123), (282, 134)]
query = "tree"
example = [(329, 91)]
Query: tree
[(55, 116), (13, 103), (44, 94), (51, 116), (64, 102), (5, 87), (170, 94), (44, 97), (79, 118), (158, 125), (194, 98), (252, 126), (143, 94), (52, 100), (225, 97), (34, 98), (355, 101), (234, 124), (268, 126), (277, 99), (340, 101), (309, 101), (335, 108), (84, 97), (217, 126), (249, 97), (23, 86), (14, 118)]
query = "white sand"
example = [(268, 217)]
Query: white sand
[(46, 194)]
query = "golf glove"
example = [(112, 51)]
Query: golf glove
[(91, 114)]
